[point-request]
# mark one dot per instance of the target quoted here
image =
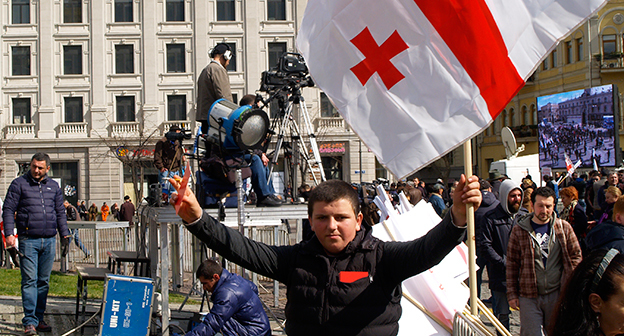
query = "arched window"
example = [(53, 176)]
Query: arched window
[(512, 118), (525, 116), (534, 115), (505, 119)]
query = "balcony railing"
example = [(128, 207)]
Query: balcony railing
[(73, 129), (329, 123), (183, 124), (19, 131), (524, 131), (126, 128)]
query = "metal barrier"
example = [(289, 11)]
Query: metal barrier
[(98, 238)]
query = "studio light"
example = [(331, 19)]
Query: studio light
[(239, 127)]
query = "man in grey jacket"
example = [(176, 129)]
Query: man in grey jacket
[(213, 83)]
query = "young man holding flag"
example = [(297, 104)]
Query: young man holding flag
[(342, 281)]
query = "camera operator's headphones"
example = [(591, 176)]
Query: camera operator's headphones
[(222, 49)]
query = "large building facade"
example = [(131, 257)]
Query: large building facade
[(86, 80), (589, 57)]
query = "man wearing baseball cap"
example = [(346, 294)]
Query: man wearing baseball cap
[(213, 83)]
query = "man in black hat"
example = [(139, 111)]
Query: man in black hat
[(213, 83), (168, 159)]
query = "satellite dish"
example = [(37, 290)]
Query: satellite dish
[(509, 142)]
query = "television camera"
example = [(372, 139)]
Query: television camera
[(291, 70), (178, 136)]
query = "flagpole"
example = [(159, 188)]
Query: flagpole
[(472, 262)]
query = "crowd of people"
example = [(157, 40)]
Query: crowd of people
[(533, 253)]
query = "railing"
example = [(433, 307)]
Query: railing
[(524, 131), (183, 124), (73, 128), (125, 128), (17, 130), (329, 123)]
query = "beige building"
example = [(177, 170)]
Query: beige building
[(590, 56), (88, 81)]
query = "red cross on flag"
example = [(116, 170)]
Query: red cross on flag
[(417, 78)]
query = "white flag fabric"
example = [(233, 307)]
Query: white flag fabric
[(417, 78), (439, 289)]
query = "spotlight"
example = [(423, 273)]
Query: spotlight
[(239, 127)]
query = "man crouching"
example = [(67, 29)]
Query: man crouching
[(236, 307)]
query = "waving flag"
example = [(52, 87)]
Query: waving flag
[(417, 78)]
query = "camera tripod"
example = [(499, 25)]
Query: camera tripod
[(290, 100)]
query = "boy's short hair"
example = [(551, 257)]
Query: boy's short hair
[(618, 207), (613, 190), (208, 268), (544, 192), (333, 190)]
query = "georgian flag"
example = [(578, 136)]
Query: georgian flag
[(417, 78)]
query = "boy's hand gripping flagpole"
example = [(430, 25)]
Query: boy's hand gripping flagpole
[(470, 222)]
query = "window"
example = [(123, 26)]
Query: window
[(21, 110), (125, 108), (276, 49), (124, 58), (327, 108), (235, 97), (73, 109), (72, 60), (21, 11), (21, 61), (176, 106), (504, 119), (554, 58), (72, 11), (512, 118), (579, 49), (332, 166), (276, 9), (545, 64), (232, 65), (569, 58), (123, 11), (175, 10), (176, 58), (525, 116), (225, 10), (608, 44)]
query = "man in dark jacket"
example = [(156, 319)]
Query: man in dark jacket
[(608, 234), (34, 205), (489, 202), (126, 212), (342, 281), (492, 241), (236, 309)]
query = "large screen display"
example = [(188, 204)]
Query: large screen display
[(582, 124)]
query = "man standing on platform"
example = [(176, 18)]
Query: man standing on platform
[(34, 205), (213, 83)]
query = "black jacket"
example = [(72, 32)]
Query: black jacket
[(37, 206), (492, 242), (606, 235), (488, 202), (322, 300)]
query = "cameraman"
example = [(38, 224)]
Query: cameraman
[(213, 83), (169, 158)]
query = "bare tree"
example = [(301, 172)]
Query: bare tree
[(134, 148)]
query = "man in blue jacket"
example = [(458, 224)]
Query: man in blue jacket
[(34, 205), (236, 308)]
